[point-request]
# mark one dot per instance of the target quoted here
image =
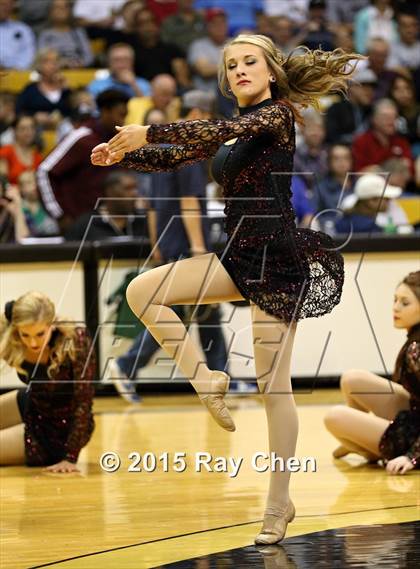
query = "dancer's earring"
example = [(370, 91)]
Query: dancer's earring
[(272, 79)]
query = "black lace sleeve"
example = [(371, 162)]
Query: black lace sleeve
[(84, 367), (155, 157), (276, 119)]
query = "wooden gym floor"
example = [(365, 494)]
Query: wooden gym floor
[(139, 520)]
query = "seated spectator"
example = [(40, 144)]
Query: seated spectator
[(282, 33), (83, 108), (69, 184), (240, 14), (311, 156), (378, 53), (405, 51), (17, 40), (318, 35), (13, 226), (340, 14), (7, 117), (153, 56), (381, 140), (351, 115), (155, 116), (71, 43), (117, 214), (398, 172), (301, 202), (403, 94), (121, 74), (34, 14), (204, 54), (331, 190), (128, 16), (183, 27), (162, 97), (94, 14), (47, 99), (264, 24), (374, 21), (21, 155), (371, 196), (39, 223), (296, 10), (344, 38)]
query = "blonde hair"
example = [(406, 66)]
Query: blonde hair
[(301, 78), (27, 309), (42, 53)]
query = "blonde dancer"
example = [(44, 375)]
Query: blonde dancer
[(286, 273)]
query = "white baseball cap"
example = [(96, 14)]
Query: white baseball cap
[(370, 186)]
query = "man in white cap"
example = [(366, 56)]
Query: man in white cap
[(362, 209)]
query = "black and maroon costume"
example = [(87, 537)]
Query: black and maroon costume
[(57, 412), (402, 437), (288, 272)]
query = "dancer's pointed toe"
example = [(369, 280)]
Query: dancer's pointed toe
[(274, 526), (215, 403), (340, 451)]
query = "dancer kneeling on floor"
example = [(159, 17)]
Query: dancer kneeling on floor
[(49, 422), (392, 431)]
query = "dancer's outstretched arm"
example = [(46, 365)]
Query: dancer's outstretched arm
[(276, 119), (153, 157)]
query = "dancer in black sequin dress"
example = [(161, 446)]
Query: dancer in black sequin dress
[(49, 422), (382, 419), (286, 273)]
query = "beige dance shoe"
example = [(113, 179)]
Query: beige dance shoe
[(274, 527), (215, 403), (340, 451)]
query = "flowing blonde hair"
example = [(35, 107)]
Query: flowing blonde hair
[(28, 309), (301, 78)]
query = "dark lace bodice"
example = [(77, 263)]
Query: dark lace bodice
[(58, 411), (290, 273)]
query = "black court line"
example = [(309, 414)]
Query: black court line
[(162, 539)]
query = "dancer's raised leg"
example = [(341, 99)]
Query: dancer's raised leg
[(273, 343), (197, 280)]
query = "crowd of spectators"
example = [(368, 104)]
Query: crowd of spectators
[(145, 56)]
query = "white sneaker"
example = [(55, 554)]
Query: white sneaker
[(122, 383)]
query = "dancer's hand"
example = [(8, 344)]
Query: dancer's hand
[(101, 156), (399, 465), (62, 466), (129, 138)]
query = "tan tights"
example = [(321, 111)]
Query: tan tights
[(373, 402), (204, 280), (12, 446)]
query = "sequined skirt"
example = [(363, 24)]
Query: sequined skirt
[(400, 435), (292, 276)]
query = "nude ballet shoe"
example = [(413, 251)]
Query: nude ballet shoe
[(214, 401), (340, 451), (274, 527)]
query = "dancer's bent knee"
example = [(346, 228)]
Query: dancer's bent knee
[(140, 296)]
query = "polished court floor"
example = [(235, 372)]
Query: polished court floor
[(155, 516)]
